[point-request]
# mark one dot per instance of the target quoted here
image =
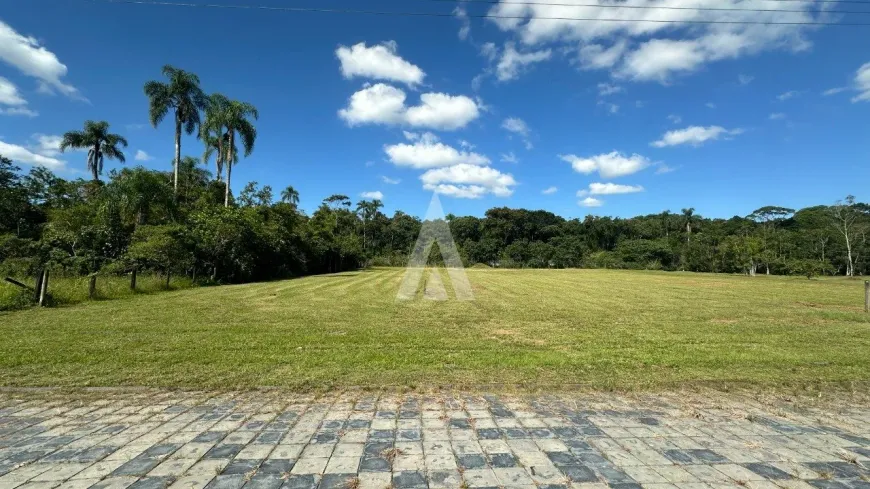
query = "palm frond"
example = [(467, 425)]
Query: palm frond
[(248, 135), (73, 139)]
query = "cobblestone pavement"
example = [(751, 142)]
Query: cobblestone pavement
[(153, 439)]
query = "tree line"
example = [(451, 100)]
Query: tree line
[(187, 221)]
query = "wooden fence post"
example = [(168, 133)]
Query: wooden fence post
[(38, 288), (133, 280), (867, 296), (43, 291), (92, 286)]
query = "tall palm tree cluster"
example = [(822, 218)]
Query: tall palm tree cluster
[(216, 119)]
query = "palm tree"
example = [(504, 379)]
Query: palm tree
[(230, 117), (688, 214), (290, 196), (214, 141), (99, 142), (183, 95)]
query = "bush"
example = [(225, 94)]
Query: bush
[(808, 268), (13, 298), (603, 259)]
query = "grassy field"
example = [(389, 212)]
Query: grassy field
[(534, 327)]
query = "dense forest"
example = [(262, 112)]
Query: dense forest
[(137, 220), (187, 221)]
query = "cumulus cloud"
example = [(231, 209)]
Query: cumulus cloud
[(662, 169), (512, 62), (34, 60), (10, 96), (18, 111), (142, 156), (744, 79), (46, 144), (599, 57), (376, 195), (550, 190), (694, 135), (675, 118), (862, 83), (20, 154), (468, 181), (428, 152), (609, 189), (656, 51), (379, 62), (390, 181), (590, 202), (608, 165), (385, 104), (776, 116)]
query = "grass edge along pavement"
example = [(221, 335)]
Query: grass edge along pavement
[(526, 328)]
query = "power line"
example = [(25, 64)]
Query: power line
[(667, 7), (477, 16)]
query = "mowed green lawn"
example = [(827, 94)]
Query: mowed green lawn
[(531, 327)]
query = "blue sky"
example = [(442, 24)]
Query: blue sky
[(619, 118)]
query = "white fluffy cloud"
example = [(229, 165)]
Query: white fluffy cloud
[(862, 83), (20, 154), (390, 181), (428, 152), (10, 96), (46, 144), (34, 60), (656, 51), (377, 194), (550, 190), (468, 181), (608, 165), (385, 104), (694, 135), (512, 62), (142, 156), (590, 202), (379, 62), (609, 189), (599, 57)]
